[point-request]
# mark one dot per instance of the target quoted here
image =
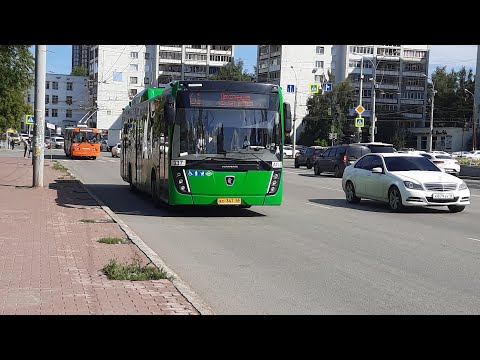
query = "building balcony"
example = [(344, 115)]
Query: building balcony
[(413, 73), (264, 56), (169, 61), (196, 62), (412, 102), (386, 101), (274, 67), (169, 73), (388, 86), (415, 88), (220, 52), (170, 48), (276, 53), (413, 115), (195, 51), (263, 70), (196, 74), (387, 72)]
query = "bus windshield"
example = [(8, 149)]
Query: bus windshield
[(225, 130), (86, 136)]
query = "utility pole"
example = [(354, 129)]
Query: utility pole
[(359, 131), (39, 136), (474, 138), (295, 113), (430, 146), (374, 86)]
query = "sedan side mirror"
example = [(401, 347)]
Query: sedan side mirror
[(377, 170)]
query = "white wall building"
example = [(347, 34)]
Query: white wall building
[(66, 100), (298, 65)]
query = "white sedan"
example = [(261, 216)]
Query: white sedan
[(116, 150), (288, 151), (474, 155), (446, 162), (402, 180)]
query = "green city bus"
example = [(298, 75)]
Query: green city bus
[(206, 142)]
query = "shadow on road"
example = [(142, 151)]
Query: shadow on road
[(123, 201), (376, 206), (327, 175)]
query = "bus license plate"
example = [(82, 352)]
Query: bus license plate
[(443, 196), (229, 201)]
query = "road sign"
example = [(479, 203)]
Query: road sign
[(327, 87), (359, 109), (359, 122), (314, 88), (291, 88), (29, 119), (50, 126)]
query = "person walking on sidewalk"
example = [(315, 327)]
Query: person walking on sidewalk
[(12, 143), (29, 147), (25, 148)]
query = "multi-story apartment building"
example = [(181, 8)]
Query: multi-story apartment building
[(191, 62), (297, 65), (118, 72), (80, 56), (66, 100)]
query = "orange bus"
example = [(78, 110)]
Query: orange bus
[(82, 142)]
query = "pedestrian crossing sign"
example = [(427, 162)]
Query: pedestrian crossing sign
[(29, 119), (314, 88), (359, 122)]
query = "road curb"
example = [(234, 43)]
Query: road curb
[(179, 284)]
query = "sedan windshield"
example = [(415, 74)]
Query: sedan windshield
[(220, 131), (409, 163)]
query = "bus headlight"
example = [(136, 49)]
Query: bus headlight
[(180, 181), (274, 182)]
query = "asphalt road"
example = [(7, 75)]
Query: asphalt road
[(315, 254)]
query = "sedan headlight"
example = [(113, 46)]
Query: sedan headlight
[(462, 186), (412, 185)]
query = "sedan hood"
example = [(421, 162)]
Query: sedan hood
[(426, 176)]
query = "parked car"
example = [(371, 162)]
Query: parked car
[(288, 151), (116, 150), (402, 180), (336, 158), (57, 142), (446, 163), (378, 147), (475, 155), (104, 145), (308, 156)]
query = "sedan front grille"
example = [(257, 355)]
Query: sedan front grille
[(440, 186)]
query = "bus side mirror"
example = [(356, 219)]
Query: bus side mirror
[(287, 116), (170, 109)]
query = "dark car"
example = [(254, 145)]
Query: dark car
[(336, 158), (307, 156)]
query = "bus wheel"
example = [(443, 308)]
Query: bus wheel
[(130, 181), (153, 189)]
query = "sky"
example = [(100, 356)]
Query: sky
[(59, 57)]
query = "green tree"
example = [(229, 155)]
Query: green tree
[(16, 76), (233, 71), (79, 71), (328, 111)]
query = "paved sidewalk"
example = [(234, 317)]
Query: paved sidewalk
[(50, 261)]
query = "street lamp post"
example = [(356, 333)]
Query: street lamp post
[(374, 88), (295, 113), (474, 139), (430, 145)]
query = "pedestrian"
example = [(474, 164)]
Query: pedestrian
[(12, 142), (25, 148), (29, 148)]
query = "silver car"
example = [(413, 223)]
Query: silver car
[(403, 180), (116, 150)]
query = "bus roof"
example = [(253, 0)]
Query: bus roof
[(146, 94), (78, 129)]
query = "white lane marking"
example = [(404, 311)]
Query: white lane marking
[(473, 239), (322, 206)]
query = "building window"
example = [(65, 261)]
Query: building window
[(413, 67), (423, 143), (133, 67), (28, 97), (47, 85), (55, 85), (146, 81), (147, 56), (319, 64), (46, 112), (47, 99), (54, 99), (132, 92), (69, 85), (117, 76), (69, 113), (134, 55), (54, 112), (320, 50), (147, 67), (69, 100), (133, 80)]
